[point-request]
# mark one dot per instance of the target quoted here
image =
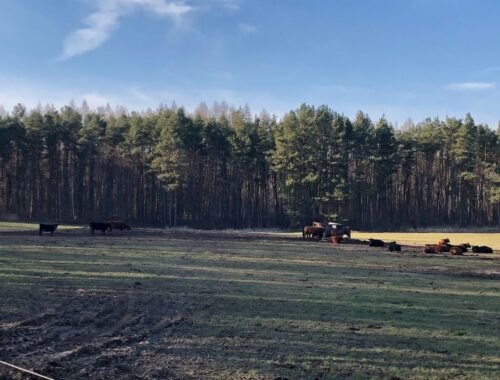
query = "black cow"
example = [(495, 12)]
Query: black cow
[(393, 246), (47, 228), (103, 227), (481, 249), (376, 243)]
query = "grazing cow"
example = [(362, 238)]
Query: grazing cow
[(481, 249), (376, 243), (444, 241), (436, 248), (456, 251), (313, 232), (393, 246), (307, 232), (318, 232), (47, 228), (119, 226), (335, 239), (100, 226)]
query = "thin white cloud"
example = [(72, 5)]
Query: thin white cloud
[(227, 5), (100, 24), (470, 86), (247, 28), (490, 69)]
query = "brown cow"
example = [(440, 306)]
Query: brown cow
[(463, 247), (318, 232), (335, 239), (307, 232), (444, 241), (428, 249), (455, 251), (313, 232), (436, 248), (119, 226)]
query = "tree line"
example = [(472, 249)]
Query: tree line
[(226, 168)]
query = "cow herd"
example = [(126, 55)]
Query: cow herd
[(444, 245), (317, 230), (313, 232), (99, 226)]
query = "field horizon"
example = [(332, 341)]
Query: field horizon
[(479, 235)]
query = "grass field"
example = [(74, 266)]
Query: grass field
[(185, 304)]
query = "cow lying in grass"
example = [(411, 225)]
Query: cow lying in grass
[(376, 243), (47, 228), (394, 247), (482, 249), (436, 248), (464, 247), (444, 245), (455, 251)]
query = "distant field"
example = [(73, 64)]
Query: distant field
[(243, 305)]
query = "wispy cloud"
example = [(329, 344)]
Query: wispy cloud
[(470, 86), (491, 69), (227, 5), (247, 28), (100, 24)]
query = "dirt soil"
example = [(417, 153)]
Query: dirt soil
[(116, 336)]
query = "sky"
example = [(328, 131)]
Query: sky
[(398, 58)]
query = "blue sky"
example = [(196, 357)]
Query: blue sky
[(401, 58)]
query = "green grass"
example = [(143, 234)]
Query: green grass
[(262, 306)]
